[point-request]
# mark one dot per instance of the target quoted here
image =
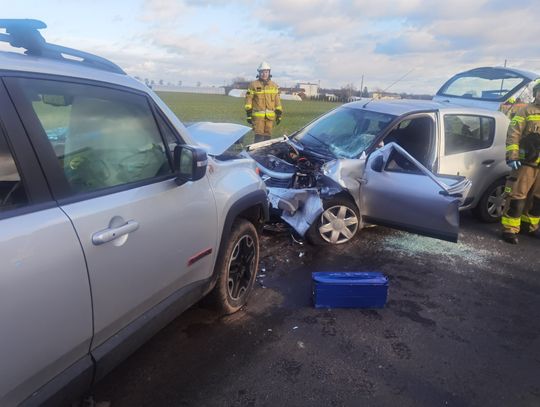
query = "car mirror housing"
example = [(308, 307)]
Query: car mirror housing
[(189, 163)]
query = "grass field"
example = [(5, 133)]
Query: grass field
[(191, 107)]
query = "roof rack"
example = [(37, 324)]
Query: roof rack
[(23, 33)]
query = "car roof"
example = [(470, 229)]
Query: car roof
[(527, 74), (398, 107), (16, 62)]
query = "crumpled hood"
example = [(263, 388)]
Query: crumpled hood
[(216, 138)]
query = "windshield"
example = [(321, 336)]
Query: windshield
[(485, 84), (344, 132)]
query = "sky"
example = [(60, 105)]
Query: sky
[(331, 42)]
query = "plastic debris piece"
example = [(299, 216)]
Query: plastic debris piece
[(262, 275), (269, 329), (263, 269), (295, 327), (301, 254), (300, 344)]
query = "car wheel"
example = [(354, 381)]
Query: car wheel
[(337, 224), (236, 268), (490, 207)]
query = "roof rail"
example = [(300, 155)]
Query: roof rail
[(23, 33)]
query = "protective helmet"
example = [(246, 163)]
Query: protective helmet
[(264, 66)]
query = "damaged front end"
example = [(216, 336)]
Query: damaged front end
[(297, 180)]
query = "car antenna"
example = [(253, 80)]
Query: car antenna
[(399, 80)]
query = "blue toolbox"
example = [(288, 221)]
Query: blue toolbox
[(349, 289)]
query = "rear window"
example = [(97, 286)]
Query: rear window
[(484, 84)]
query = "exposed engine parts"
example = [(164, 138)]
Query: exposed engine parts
[(283, 167)]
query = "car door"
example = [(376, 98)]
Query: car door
[(45, 305), (399, 192), (469, 150), (144, 237)]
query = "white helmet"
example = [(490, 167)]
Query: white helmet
[(264, 66)]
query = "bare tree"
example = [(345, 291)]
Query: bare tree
[(348, 90)]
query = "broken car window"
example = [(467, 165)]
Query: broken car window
[(345, 132)]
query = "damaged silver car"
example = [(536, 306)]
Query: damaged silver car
[(364, 163)]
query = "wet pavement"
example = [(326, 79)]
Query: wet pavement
[(461, 328)]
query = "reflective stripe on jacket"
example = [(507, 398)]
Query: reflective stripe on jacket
[(263, 98), (525, 122)]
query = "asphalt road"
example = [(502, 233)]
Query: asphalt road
[(461, 328)]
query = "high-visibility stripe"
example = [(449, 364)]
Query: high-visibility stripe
[(533, 220), (517, 119), (268, 113), (507, 190), (533, 118), (271, 91), (247, 107), (512, 147), (279, 107), (514, 222)]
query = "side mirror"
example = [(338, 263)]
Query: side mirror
[(189, 163), (378, 163)]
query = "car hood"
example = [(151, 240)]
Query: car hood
[(216, 138)]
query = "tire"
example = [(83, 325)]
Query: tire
[(236, 268), (337, 224), (491, 205)]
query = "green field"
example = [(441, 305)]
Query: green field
[(191, 107)]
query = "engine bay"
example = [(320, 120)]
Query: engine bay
[(284, 166)]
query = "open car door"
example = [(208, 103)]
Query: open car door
[(399, 192)]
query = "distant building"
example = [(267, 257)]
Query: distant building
[(209, 90), (384, 95), (330, 97), (309, 89)]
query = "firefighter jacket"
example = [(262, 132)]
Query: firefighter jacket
[(262, 98), (523, 137)]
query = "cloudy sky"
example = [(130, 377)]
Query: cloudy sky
[(332, 41)]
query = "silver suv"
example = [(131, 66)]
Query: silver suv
[(111, 221)]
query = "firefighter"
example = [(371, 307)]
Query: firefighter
[(263, 104), (522, 209)]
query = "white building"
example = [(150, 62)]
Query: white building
[(310, 89), (209, 90)]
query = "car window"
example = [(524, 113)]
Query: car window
[(12, 191), (484, 84), (467, 133), (397, 162), (101, 137), (344, 132)]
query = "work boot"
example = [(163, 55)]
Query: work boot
[(510, 237)]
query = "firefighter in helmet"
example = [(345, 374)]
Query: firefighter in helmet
[(263, 104), (522, 209)]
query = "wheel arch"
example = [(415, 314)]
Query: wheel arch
[(252, 207)]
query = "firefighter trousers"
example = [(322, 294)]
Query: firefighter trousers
[(522, 208), (262, 126)]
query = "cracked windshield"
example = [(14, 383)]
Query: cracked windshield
[(344, 133)]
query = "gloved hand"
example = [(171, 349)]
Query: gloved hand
[(278, 116), (248, 119), (248, 114), (514, 164)]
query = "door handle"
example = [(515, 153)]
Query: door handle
[(488, 162), (106, 235)]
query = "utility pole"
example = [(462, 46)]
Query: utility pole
[(362, 87)]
